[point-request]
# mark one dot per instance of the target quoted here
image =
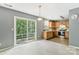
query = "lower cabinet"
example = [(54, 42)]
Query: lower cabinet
[(48, 35), (66, 35), (53, 34)]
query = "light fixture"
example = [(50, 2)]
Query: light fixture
[(39, 18)]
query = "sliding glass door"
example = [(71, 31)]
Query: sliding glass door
[(25, 29), (31, 29), (21, 30)]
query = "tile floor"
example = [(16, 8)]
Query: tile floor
[(61, 41), (40, 47)]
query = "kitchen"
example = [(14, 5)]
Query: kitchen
[(57, 31)]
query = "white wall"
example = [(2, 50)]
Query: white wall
[(74, 28)]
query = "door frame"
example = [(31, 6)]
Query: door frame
[(27, 28)]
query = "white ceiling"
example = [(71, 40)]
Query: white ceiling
[(48, 10)]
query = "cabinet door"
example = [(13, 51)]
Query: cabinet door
[(51, 24), (57, 24)]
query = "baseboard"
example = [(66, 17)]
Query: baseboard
[(4, 49), (71, 46), (73, 49)]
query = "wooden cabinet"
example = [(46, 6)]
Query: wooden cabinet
[(54, 24), (66, 35), (47, 34), (57, 24), (51, 24), (55, 34)]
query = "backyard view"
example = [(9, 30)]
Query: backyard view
[(31, 29), (25, 29), (21, 28)]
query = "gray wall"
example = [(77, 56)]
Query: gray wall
[(7, 22), (74, 28)]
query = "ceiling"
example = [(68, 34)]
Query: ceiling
[(49, 10)]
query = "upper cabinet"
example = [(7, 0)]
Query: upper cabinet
[(56, 24), (51, 24)]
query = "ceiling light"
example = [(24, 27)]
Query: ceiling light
[(40, 18)]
